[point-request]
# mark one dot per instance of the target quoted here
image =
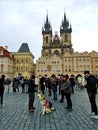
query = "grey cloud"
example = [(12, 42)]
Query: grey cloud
[(31, 14)]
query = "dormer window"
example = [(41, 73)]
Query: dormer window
[(1, 52)]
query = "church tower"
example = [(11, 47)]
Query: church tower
[(47, 37), (54, 48), (65, 33)]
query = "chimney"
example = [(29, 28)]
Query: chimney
[(6, 47)]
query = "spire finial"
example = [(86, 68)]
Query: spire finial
[(47, 11), (64, 9)]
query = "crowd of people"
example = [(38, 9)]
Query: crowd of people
[(62, 85)]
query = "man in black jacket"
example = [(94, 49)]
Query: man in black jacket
[(66, 91), (2, 79), (31, 91), (91, 90)]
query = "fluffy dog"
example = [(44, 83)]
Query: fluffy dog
[(46, 105)]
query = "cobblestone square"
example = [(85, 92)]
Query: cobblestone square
[(14, 115)]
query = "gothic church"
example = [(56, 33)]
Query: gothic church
[(58, 56)]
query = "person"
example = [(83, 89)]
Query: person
[(26, 84), (16, 84), (66, 91), (60, 88), (91, 90), (79, 80), (7, 83), (72, 80), (22, 85), (2, 79), (43, 84), (49, 86), (54, 84), (31, 91), (60, 83)]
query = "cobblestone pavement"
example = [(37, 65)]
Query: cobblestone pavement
[(14, 115)]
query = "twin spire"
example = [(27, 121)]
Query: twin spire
[(47, 27), (64, 28)]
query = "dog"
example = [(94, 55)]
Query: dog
[(46, 105)]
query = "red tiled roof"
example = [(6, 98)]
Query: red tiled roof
[(5, 52)]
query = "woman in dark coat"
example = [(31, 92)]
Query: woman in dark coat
[(2, 79)]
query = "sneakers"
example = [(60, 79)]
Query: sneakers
[(92, 113), (95, 116), (68, 108)]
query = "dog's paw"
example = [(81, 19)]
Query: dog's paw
[(43, 113), (48, 112)]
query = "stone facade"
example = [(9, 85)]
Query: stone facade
[(24, 64), (6, 63), (78, 62)]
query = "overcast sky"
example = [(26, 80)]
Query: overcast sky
[(21, 21)]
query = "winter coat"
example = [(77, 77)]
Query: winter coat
[(32, 86), (66, 87), (2, 85), (91, 84)]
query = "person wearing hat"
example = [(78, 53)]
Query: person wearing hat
[(2, 79), (91, 87)]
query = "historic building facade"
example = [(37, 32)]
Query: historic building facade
[(78, 62), (6, 62), (58, 56), (24, 62)]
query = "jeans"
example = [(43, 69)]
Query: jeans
[(26, 88), (31, 100), (92, 99), (55, 94)]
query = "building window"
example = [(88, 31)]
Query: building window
[(47, 39), (2, 60), (26, 60), (17, 61), (26, 68), (17, 68), (65, 38), (1, 52), (1, 69), (56, 52), (21, 68)]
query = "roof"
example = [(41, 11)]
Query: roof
[(24, 48), (4, 52)]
